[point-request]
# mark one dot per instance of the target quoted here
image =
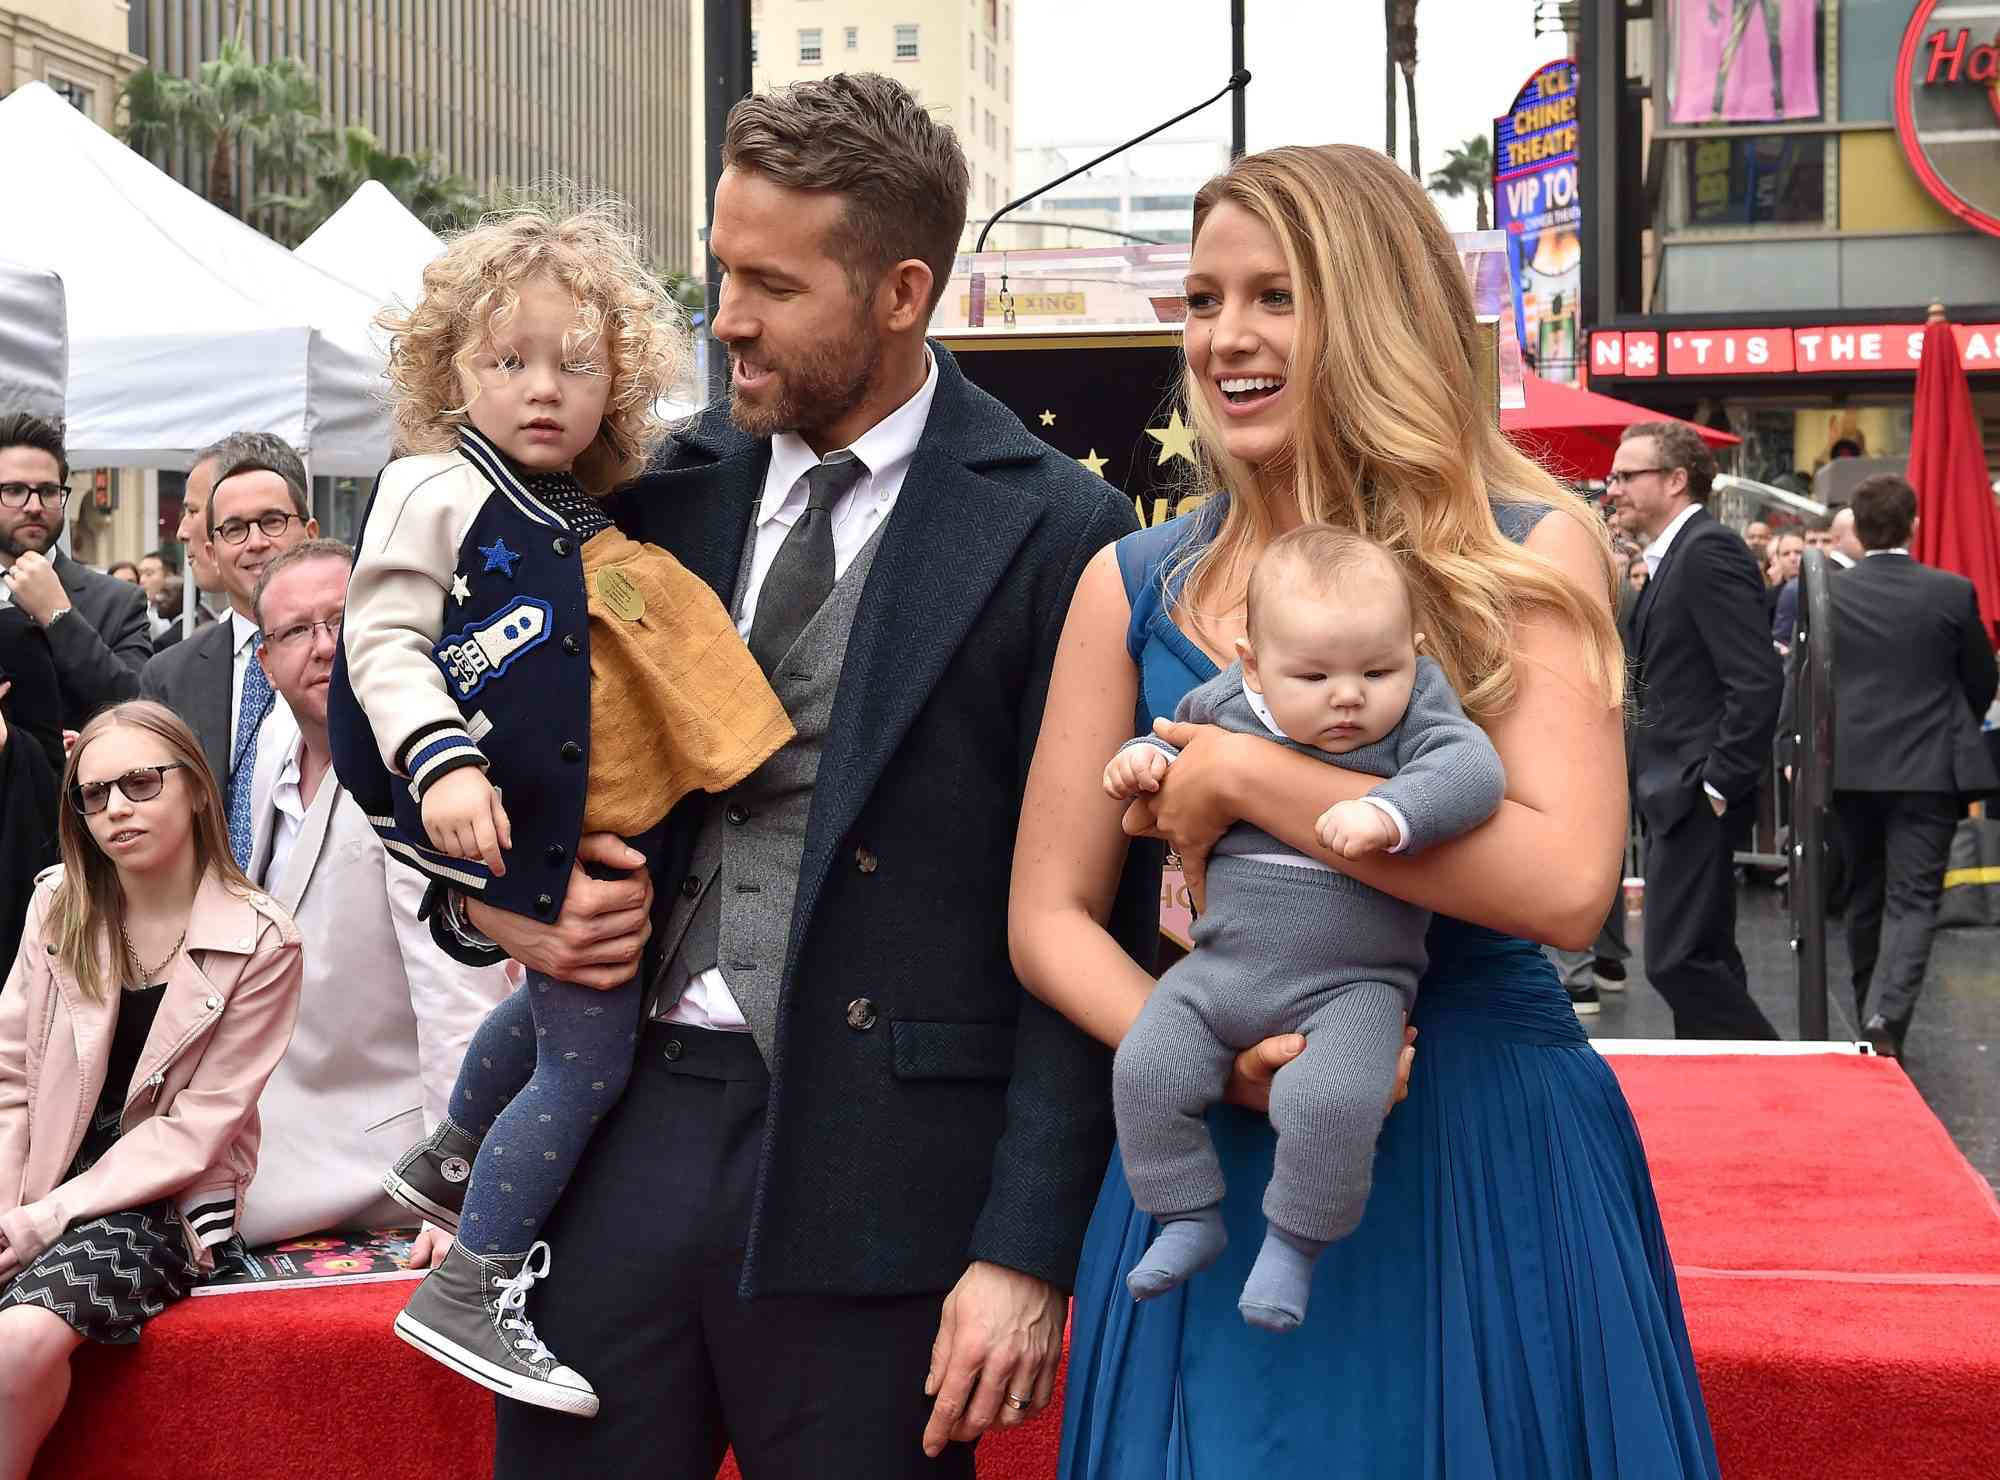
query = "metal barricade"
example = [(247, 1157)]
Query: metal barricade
[(1811, 666)]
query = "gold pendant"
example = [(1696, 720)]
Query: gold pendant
[(616, 590)]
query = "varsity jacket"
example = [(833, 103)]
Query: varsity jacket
[(466, 628)]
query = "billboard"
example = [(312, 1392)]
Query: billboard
[(1535, 202)]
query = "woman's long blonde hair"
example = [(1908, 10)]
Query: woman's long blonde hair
[(88, 912), (1391, 438), (474, 288)]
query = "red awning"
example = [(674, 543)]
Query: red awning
[(1574, 433), (1956, 527)]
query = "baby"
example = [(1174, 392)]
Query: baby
[(1288, 945)]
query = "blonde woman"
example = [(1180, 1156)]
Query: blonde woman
[(1507, 1307), (154, 992)]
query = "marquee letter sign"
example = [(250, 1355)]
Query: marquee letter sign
[(1947, 88)]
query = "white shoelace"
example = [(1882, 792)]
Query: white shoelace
[(513, 1301)]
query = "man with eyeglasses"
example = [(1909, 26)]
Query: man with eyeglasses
[(256, 511), (1708, 684), (97, 629), (384, 1016)]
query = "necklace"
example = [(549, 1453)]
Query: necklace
[(142, 974)]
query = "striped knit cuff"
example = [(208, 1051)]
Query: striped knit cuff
[(437, 751), (210, 1215)]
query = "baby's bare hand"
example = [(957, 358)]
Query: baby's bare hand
[(463, 815), (1355, 829), (1134, 770)]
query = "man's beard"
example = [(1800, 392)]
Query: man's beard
[(823, 386), (14, 548)]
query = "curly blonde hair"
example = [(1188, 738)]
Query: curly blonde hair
[(474, 288)]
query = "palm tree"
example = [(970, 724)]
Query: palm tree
[(342, 160), (1467, 169), (1401, 16)]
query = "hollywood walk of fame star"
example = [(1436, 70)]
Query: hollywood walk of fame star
[(1176, 438), (460, 591), (1094, 462), (1048, 418), (500, 558)]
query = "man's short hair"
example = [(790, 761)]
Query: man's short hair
[(22, 429), (299, 554), (1885, 511), (159, 555), (259, 452), (1679, 446), (900, 173)]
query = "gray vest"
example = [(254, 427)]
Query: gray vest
[(753, 837)]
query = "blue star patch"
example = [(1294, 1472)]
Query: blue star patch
[(500, 558)]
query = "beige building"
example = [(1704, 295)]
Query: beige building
[(957, 56), (503, 92), (76, 46)]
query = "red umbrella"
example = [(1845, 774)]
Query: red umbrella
[(1574, 433), (1957, 531)]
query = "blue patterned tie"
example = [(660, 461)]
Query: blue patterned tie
[(250, 712)]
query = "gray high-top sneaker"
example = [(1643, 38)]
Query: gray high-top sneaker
[(470, 1314), (430, 1179)]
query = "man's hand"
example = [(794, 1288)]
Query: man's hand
[(1355, 829), (603, 927), (37, 588), (1716, 804), (428, 1249), (463, 815), (1000, 1335), (1250, 1080), (1134, 770)]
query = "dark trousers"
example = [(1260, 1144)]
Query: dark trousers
[(1897, 843), (1691, 955), (646, 1251)]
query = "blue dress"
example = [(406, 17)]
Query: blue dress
[(1507, 1308)]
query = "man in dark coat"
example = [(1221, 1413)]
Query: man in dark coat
[(1709, 686), (850, 1133)]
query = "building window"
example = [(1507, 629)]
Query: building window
[(1007, 83), (753, 48), (854, 37), (992, 15), (972, 52), (1085, 203), (906, 43), (1008, 12), (809, 46), (989, 128), (73, 93), (1177, 203), (989, 66), (1756, 180)]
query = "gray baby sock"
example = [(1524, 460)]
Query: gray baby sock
[(1186, 1246), (1274, 1297)]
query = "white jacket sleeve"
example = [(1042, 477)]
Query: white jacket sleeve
[(397, 598)]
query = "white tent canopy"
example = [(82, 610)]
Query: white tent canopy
[(34, 347), (374, 245), (184, 323)]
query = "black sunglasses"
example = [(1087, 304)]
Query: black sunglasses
[(140, 784)]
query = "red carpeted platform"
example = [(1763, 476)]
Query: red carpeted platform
[(1840, 1265)]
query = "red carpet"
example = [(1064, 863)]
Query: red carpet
[(1840, 1264)]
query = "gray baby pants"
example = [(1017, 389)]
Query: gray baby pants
[(1281, 949)]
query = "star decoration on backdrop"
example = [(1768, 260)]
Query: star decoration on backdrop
[(1094, 462), (1048, 418), (1176, 438), (500, 558), (460, 591)]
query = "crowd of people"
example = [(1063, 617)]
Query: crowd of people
[(693, 854)]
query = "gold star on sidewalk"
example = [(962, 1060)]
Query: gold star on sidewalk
[(1094, 462), (1048, 418), (1176, 438)]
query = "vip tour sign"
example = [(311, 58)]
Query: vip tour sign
[(1535, 202)]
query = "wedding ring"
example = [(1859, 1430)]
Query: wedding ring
[(1016, 1402)]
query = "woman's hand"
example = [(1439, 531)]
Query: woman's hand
[(1250, 1081), (4, 689), (1196, 802)]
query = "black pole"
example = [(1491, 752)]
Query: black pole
[(1236, 105), (1812, 790), (726, 70)]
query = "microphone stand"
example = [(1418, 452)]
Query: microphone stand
[(1238, 81)]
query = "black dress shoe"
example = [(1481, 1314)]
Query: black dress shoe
[(1881, 1035)]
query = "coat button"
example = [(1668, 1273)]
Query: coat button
[(545, 904), (214, 1002), (561, 546), (861, 1014), (673, 1051), (556, 855), (571, 751), (571, 646), (738, 814), (865, 861), (690, 887)]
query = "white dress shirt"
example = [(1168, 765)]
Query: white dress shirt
[(1898, 550), (885, 451), (287, 800), (1654, 553)]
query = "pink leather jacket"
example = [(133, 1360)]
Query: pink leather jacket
[(190, 1125)]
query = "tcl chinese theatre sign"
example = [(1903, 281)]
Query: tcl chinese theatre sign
[(1947, 91)]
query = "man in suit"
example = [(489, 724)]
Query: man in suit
[(1845, 547), (1709, 687), (1785, 610), (1913, 674), (257, 511), (203, 580), (853, 1151), (96, 624), (385, 1016)]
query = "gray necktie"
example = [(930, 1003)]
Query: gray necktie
[(801, 578)]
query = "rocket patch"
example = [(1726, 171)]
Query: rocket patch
[(485, 650)]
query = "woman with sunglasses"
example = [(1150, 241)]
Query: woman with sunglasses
[(154, 991)]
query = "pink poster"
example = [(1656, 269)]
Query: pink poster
[(1745, 61)]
